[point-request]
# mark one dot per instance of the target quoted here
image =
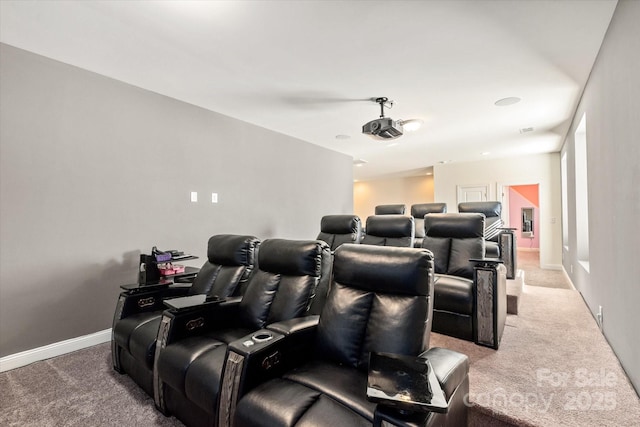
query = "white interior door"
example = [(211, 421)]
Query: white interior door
[(473, 193)]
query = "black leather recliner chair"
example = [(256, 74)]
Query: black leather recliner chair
[(290, 281), (230, 260), (339, 229), (397, 209), (470, 298), (389, 230), (418, 211), (493, 222), (500, 241), (379, 301)]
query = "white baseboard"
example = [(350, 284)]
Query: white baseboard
[(566, 275), (24, 358), (524, 249), (551, 266)]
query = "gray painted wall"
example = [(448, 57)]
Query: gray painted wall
[(95, 171), (611, 102)]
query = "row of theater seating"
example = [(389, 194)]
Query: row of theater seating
[(390, 227), (492, 211), (455, 239), (279, 332)]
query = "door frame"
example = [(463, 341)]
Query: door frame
[(501, 197)]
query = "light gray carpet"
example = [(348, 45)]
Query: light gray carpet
[(553, 368), (529, 262), (77, 389)]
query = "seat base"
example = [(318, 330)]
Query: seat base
[(514, 292)]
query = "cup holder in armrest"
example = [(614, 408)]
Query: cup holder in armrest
[(262, 337)]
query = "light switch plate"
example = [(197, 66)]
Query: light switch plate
[(214, 197), (194, 196)]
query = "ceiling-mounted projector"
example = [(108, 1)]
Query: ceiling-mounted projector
[(384, 127)]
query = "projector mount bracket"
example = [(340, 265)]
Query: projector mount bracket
[(384, 102)]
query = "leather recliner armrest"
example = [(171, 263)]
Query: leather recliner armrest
[(194, 320), (145, 299), (300, 335), (251, 360), (295, 326), (452, 370)]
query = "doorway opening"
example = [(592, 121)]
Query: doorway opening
[(521, 210)]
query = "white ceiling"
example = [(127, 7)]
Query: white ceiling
[(308, 68)]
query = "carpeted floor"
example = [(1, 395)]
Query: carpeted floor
[(553, 368), (78, 389), (529, 262)]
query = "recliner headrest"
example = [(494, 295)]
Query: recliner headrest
[(421, 209), (232, 249), (390, 225), (454, 225), (340, 224), (292, 257), (489, 209), (390, 209), (383, 268)]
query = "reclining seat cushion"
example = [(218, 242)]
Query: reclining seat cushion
[(339, 229), (454, 239), (493, 213), (453, 294), (281, 288), (289, 276), (359, 316), (290, 403), (231, 259), (389, 230), (308, 396), (419, 210)]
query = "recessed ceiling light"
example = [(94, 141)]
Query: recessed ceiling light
[(359, 162), (442, 162), (525, 130), (507, 101), (343, 136), (485, 153), (429, 173)]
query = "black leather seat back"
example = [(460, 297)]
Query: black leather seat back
[(287, 281), (398, 209), (418, 211), (230, 260), (379, 300), (454, 239), (492, 212), (339, 229), (389, 230)]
